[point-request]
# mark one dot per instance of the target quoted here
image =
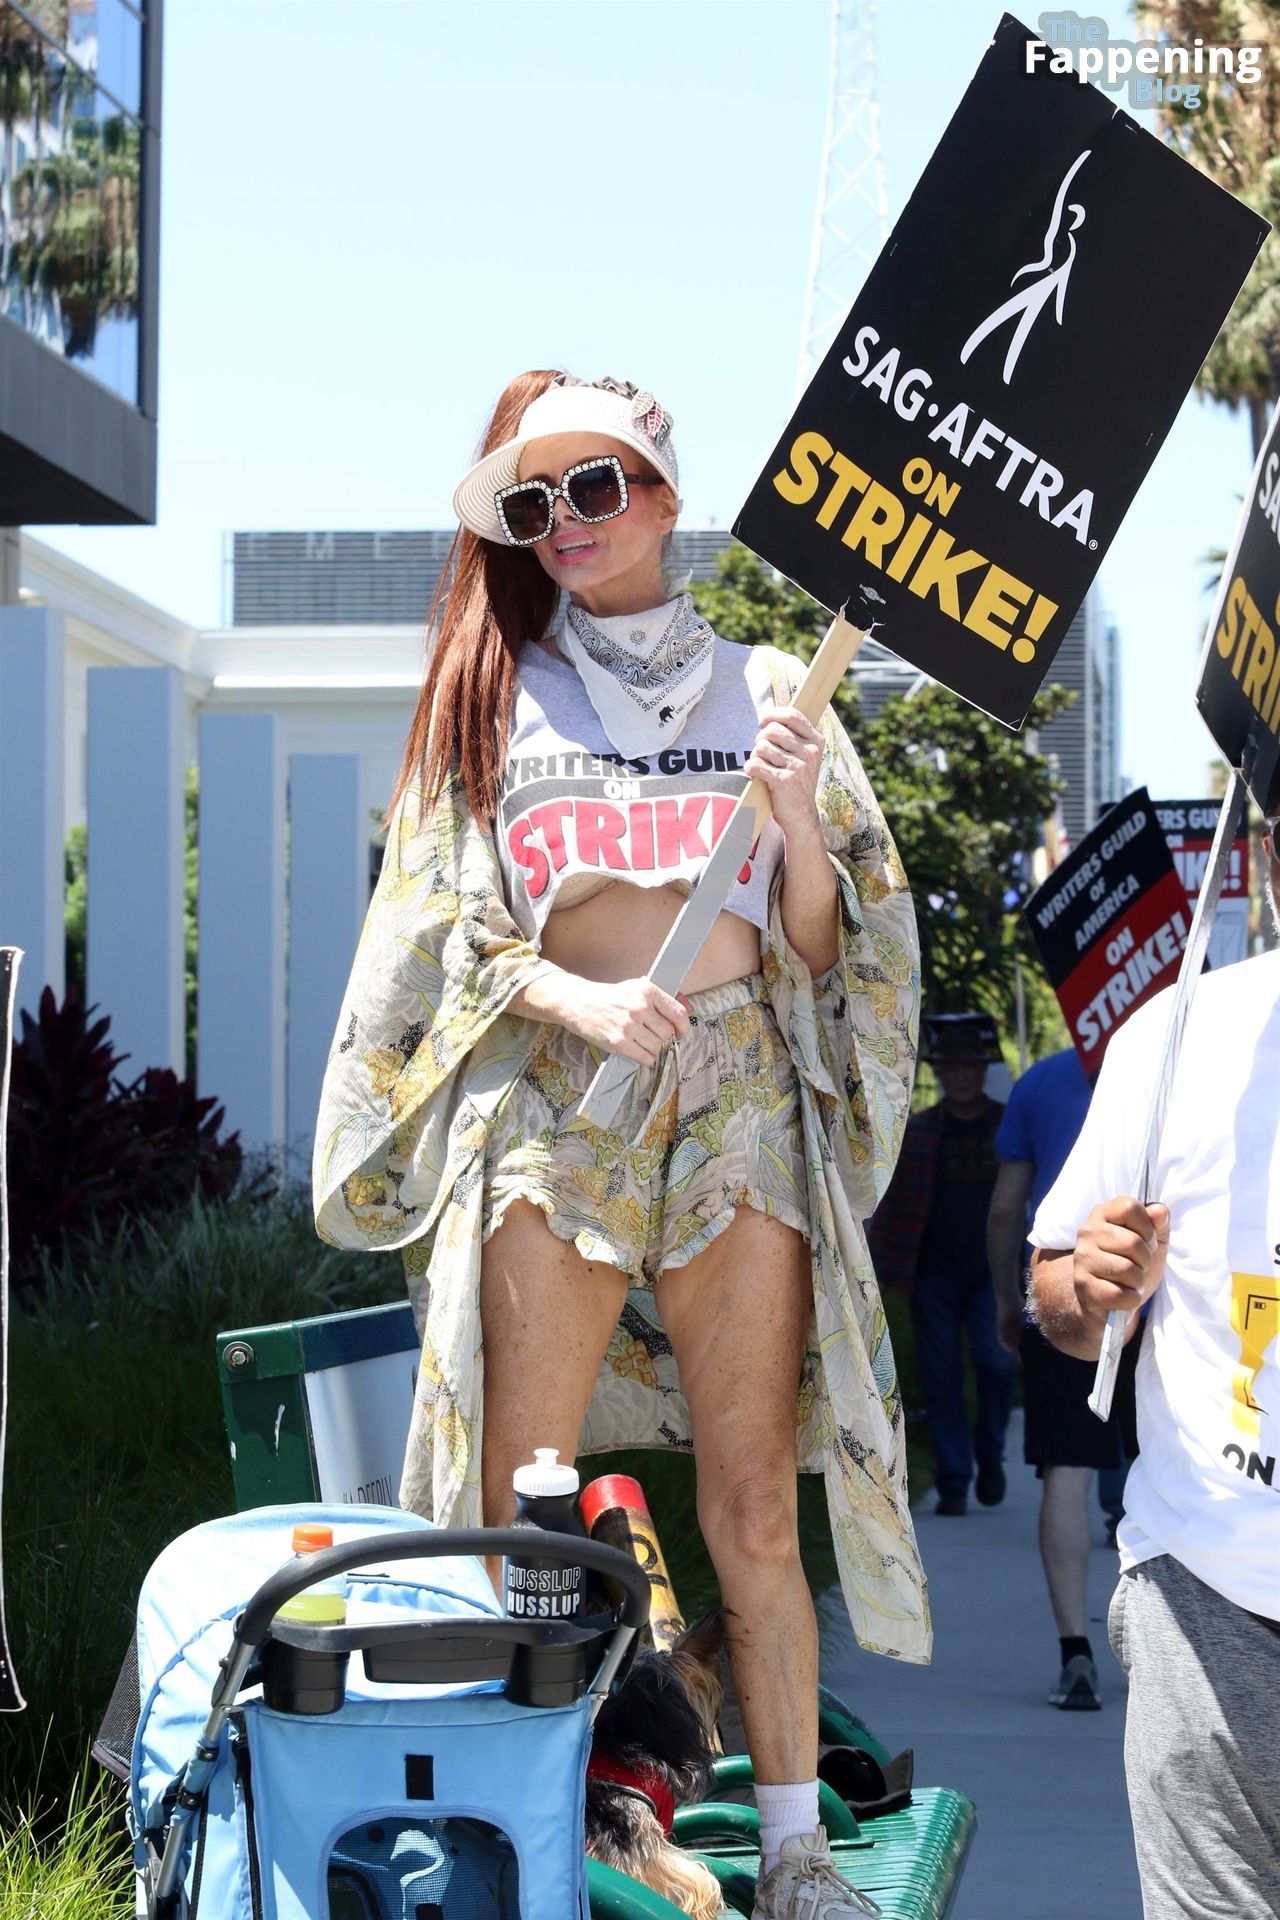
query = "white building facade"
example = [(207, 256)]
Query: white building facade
[(298, 734)]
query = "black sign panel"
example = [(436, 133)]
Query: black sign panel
[(1110, 924), (972, 441), (1239, 691), (11, 1700)]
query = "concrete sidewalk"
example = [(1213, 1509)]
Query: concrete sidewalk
[(1053, 1838)]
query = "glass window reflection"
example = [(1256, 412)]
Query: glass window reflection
[(50, 16), (70, 166), (105, 38)]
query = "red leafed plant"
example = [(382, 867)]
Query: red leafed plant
[(88, 1152)]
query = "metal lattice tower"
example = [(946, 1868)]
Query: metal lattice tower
[(852, 219)]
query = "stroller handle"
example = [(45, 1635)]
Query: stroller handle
[(252, 1626), (566, 1549)]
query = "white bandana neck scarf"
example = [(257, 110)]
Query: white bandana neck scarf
[(644, 672)]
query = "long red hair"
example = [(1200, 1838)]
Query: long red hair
[(489, 600)]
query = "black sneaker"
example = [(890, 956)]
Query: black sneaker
[(950, 1504), (991, 1484), (1077, 1688)]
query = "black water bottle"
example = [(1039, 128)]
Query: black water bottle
[(534, 1587)]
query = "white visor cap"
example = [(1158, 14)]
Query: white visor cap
[(640, 422)]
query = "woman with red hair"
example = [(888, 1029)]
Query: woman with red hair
[(694, 1273)]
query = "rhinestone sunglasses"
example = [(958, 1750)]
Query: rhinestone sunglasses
[(593, 490)]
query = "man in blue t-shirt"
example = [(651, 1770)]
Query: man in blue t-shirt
[(1063, 1441)]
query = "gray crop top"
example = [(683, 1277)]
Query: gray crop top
[(574, 815)]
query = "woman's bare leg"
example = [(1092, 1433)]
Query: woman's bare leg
[(737, 1317), (546, 1318)]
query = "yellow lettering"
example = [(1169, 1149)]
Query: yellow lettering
[(909, 546), (847, 475), (1254, 684), (942, 496), (1225, 638), (876, 524), (800, 486), (939, 571), (1248, 627), (995, 605)]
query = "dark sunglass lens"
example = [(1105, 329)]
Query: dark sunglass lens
[(526, 513), (594, 493)]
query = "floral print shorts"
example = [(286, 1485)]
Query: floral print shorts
[(713, 1125)]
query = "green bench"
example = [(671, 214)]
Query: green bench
[(318, 1409), (910, 1862)]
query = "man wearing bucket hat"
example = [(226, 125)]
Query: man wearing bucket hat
[(696, 1272), (928, 1237)]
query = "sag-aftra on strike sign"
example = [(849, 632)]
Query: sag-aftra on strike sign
[(1239, 690), (969, 446)]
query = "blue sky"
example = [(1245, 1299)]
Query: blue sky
[(375, 211)]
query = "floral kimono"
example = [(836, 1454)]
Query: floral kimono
[(424, 1055)]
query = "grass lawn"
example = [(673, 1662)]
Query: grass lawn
[(80, 1871)]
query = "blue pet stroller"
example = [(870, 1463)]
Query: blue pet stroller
[(438, 1777)]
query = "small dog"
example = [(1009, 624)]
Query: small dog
[(652, 1749)]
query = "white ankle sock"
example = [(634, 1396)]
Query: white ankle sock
[(784, 1811)]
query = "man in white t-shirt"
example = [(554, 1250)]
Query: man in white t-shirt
[(1195, 1620)]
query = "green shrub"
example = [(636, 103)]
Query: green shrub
[(209, 1266), (89, 1153)]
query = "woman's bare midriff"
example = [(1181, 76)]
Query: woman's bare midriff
[(615, 934)]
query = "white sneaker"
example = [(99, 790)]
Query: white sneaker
[(805, 1885)]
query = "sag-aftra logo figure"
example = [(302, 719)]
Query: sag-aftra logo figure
[(1052, 285)]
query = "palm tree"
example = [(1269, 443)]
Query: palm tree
[(1234, 137)]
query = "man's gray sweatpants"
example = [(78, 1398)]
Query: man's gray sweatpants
[(1202, 1746)]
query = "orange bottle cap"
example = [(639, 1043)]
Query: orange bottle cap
[(311, 1536)]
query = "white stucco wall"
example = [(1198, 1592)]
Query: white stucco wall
[(332, 690), (325, 690)]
